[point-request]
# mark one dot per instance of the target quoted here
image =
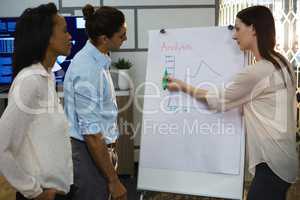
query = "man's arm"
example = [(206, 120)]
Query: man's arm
[(100, 155)]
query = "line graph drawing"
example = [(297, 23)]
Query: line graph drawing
[(204, 66), (202, 75)]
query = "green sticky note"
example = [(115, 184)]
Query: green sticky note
[(165, 80)]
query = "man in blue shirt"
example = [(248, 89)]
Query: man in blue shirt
[(90, 105)]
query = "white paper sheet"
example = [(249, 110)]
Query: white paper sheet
[(179, 133)]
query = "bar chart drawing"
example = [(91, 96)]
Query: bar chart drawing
[(170, 65)]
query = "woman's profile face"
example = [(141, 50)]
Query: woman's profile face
[(60, 41), (244, 35)]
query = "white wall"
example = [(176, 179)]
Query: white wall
[(79, 3), (151, 19), (156, 2), (14, 8), (141, 16)]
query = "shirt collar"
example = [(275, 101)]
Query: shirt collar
[(40, 69), (103, 60)]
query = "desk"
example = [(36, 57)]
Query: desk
[(3, 95)]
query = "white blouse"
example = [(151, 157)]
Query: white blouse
[(35, 149), (269, 114)]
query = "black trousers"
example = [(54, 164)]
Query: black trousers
[(266, 185)]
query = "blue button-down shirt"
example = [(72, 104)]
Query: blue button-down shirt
[(89, 97)]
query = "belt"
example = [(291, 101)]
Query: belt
[(111, 145)]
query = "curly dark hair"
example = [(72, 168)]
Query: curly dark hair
[(33, 31)]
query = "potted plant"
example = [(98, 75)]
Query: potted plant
[(123, 66)]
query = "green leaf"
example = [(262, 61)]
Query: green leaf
[(122, 63)]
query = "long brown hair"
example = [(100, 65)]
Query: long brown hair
[(261, 18)]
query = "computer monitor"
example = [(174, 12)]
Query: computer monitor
[(75, 26), (7, 29)]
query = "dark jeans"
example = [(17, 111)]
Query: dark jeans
[(90, 182), (266, 185)]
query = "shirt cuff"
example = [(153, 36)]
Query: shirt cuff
[(212, 98), (91, 128), (33, 193)]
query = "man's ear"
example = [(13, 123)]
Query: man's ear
[(102, 39)]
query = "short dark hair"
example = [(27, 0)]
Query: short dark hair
[(33, 31), (104, 20), (261, 18)]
